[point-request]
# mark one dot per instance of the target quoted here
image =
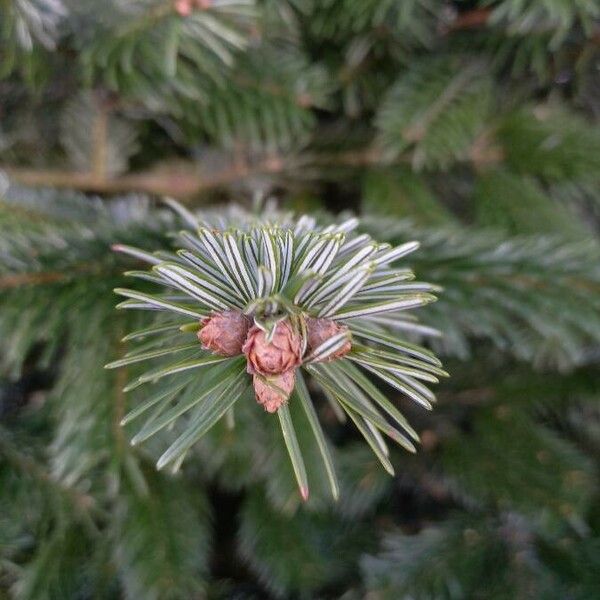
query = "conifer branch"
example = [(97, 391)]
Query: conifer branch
[(84, 504)]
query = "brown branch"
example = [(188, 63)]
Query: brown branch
[(174, 184), (179, 183), (188, 180), (479, 17), (471, 19), (366, 157), (185, 181), (15, 280), (20, 279)]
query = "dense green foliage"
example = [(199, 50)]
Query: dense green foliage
[(471, 126)]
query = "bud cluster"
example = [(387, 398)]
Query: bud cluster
[(271, 362)]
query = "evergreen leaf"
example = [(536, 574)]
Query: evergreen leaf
[(291, 442)]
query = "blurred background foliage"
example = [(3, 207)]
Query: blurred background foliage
[(472, 126)]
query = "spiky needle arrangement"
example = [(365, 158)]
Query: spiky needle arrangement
[(268, 301)]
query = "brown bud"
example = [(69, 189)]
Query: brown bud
[(282, 353), (224, 333), (273, 391), (320, 330)]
